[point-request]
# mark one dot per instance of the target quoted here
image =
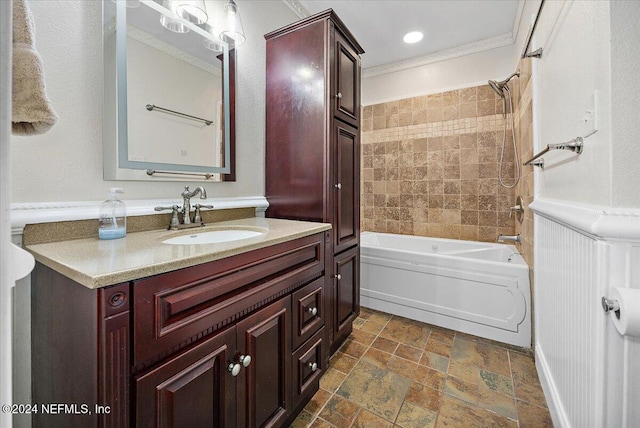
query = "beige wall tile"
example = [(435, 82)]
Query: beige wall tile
[(468, 110), (418, 103), (419, 117), (430, 166), (378, 110), (434, 115), (434, 100), (468, 95), (450, 98)]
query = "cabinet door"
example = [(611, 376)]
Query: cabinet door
[(194, 389), (346, 292), (264, 388), (346, 224), (347, 82)]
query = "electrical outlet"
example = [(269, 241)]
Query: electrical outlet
[(590, 118)]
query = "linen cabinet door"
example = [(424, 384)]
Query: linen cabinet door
[(347, 293), (194, 389), (346, 223), (347, 81), (264, 388)]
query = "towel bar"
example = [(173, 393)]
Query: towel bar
[(152, 107), (576, 145), (206, 175)]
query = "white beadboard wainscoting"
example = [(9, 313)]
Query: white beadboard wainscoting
[(589, 372)]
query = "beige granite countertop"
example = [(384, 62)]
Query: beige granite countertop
[(97, 263)]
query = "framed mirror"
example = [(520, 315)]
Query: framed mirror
[(169, 95)]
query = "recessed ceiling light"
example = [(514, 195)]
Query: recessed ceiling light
[(413, 37)]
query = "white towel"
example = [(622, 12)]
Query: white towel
[(32, 112)]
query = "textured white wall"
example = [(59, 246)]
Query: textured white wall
[(66, 163), (461, 72), (625, 94), (575, 63)]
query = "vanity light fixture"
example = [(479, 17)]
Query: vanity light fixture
[(193, 11), (172, 24), (413, 37), (233, 33)]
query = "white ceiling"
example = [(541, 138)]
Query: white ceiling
[(451, 27)]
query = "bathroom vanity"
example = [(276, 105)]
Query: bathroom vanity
[(136, 332)]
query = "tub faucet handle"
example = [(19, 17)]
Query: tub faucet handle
[(515, 209)]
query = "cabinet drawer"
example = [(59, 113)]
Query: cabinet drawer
[(308, 367), (308, 311), (174, 309)]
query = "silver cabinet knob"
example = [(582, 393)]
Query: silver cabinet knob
[(234, 369), (313, 311), (338, 277), (313, 366), (245, 360), (338, 186), (339, 95)]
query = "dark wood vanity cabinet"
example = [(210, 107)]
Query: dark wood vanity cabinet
[(313, 145), (238, 342)]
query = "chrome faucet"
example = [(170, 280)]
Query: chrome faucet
[(186, 206), (509, 238), (186, 210)]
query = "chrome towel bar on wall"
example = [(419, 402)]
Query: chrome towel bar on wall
[(206, 175), (152, 107), (576, 145)]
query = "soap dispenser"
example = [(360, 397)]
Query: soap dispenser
[(113, 216)]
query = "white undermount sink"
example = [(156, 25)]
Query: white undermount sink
[(213, 237)]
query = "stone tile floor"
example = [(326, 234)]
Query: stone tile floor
[(395, 372)]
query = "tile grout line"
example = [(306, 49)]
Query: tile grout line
[(432, 328), (347, 374)]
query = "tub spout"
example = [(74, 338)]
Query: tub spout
[(509, 238)]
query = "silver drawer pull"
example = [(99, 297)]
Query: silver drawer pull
[(339, 95), (245, 360), (313, 366), (338, 277), (338, 186), (313, 311), (234, 369)]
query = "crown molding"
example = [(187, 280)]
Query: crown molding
[(297, 8), (443, 55)]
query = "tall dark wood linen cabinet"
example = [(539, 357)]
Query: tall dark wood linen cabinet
[(313, 149)]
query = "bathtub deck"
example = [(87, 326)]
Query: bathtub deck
[(397, 371)]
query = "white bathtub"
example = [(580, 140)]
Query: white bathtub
[(475, 287)]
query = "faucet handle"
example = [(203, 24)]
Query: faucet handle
[(516, 208), (197, 218), (175, 209)]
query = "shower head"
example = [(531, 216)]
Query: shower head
[(497, 87), (500, 87)]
